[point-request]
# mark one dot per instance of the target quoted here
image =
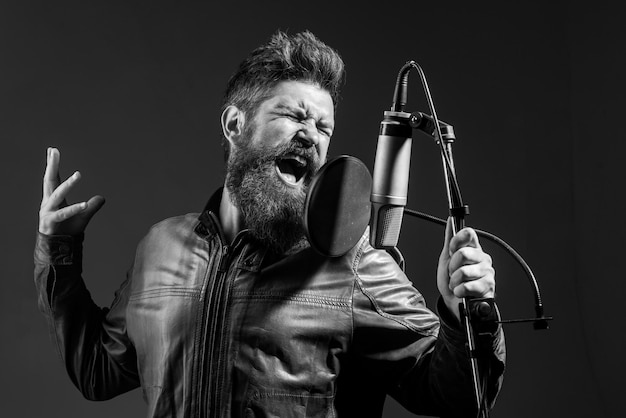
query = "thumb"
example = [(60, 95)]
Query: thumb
[(445, 251), (466, 237)]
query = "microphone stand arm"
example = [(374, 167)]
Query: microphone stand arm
[(458, 211), (479, 316)]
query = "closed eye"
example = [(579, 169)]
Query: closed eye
[(295, 116), (325, 130), (300, 118)]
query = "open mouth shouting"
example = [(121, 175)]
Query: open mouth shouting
[(292, 169)]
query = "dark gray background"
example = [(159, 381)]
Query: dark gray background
[(130, 94)]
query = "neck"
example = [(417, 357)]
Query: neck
[(230, 217)]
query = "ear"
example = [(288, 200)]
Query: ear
[(233, 121)]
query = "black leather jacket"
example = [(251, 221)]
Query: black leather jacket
[(210, 330)]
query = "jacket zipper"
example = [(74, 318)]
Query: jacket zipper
[(213, 329)]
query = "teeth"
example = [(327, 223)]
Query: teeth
[(291, 168), (300, 159)]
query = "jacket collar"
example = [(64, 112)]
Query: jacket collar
[(209, 226), (209, 218)]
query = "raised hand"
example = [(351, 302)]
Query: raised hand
[(465, 270), (56, 217)]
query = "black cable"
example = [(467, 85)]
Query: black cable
[(456, 195), (455, 202), (499, 241), (458, 211), (454, 191)]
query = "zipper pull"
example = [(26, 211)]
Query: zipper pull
[(222, 268)]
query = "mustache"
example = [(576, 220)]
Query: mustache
[(308, 153), (268, 154)]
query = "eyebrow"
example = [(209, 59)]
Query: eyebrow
[(283, 105)]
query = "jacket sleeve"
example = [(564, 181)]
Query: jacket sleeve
[(92, 341), (419, 357)]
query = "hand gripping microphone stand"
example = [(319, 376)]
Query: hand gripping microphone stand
[(478, 315), (457, 208), (339, 193)]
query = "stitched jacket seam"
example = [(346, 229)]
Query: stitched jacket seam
[(304, 299), (378, 309), (155, 293)]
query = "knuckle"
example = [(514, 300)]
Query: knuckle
[(464, 271), (465, 253), (471, 233), (473, 288), (61, 215), (465, 233)]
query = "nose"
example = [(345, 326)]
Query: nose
[(308, 134)]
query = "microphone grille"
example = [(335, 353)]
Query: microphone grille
[(388, 226)]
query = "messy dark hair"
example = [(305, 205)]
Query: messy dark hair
[(298, 57)]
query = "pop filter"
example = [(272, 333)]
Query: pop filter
[(338, 208)]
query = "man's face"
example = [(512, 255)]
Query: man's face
[(282, 148)]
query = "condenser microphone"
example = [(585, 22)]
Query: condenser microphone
[(390, 182)]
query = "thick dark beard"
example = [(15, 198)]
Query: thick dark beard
[(271, 210)]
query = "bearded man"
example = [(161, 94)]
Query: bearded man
[(230, 312)]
